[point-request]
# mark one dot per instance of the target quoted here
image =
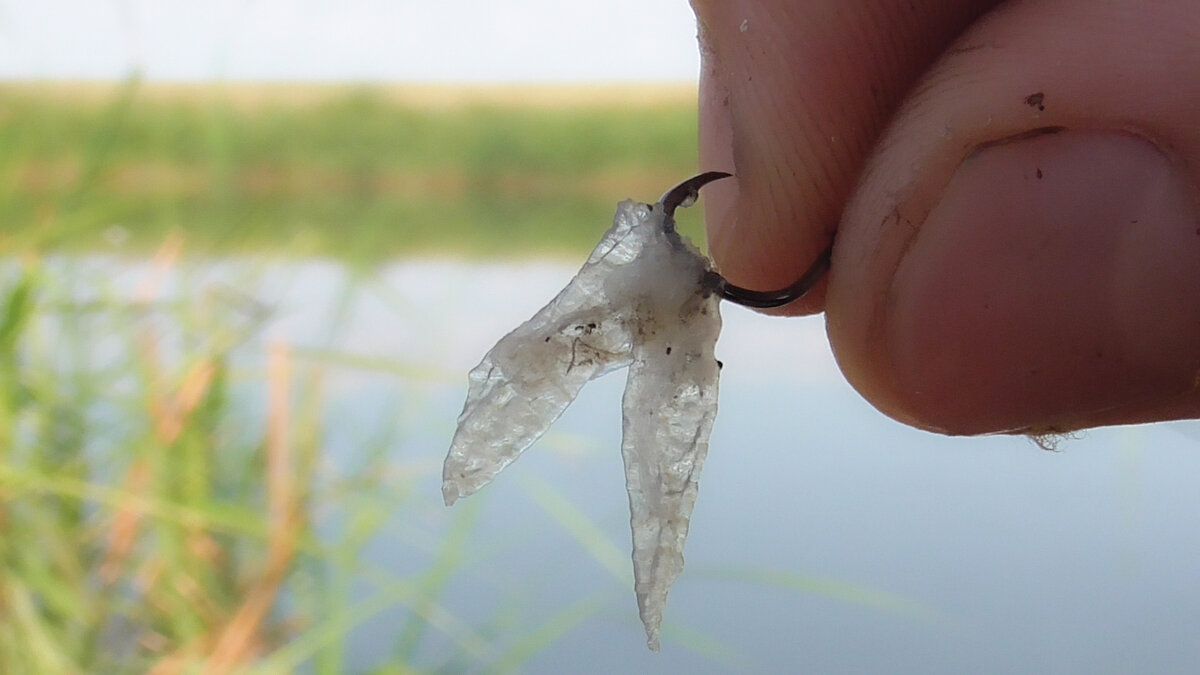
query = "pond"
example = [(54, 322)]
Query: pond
[(827, 538)]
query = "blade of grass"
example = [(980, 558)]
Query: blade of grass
[(706, 645), (549, 632), (433, 583), (579, 526), (240, 640), (17, 311), (221, 518), (380, 365), (390, 592), (593, 539), (39, 643), (829, 588)]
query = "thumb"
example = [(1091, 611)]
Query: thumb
[(1023, 252)]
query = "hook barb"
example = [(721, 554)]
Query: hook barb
[(686, 193)]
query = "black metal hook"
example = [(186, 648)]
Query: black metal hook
[(685, 194)]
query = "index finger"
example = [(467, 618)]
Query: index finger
[(792, 98)]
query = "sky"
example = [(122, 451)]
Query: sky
[(428, 41)]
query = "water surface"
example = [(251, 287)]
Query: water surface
[(826, 538)]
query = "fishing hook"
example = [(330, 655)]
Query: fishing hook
[(685, 194)]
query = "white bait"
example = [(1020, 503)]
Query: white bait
[(648, 299)]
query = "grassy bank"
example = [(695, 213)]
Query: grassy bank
[(168, 501), (171, 495), (174, 497), (196, 474), (363, 174)]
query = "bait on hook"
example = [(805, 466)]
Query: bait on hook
[(648, 299)]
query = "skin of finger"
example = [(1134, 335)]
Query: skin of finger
[(793, 96), (1024, 69)]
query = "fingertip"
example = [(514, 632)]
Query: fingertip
[(787, 108), (1022, 252), (758, 238), (1052, 285)]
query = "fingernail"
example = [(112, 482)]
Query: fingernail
[(1056, 281)]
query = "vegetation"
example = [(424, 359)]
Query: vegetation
[(359, 174), (169, 500), (166, 500)]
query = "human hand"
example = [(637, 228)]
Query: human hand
[(1013, 187)]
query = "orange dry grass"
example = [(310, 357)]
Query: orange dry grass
[(233, 638), (240, 639)]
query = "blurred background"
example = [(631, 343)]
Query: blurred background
[(248, 251)]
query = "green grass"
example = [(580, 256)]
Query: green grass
[(164, 509), (356, 174), (167, 502), (161, 493)]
